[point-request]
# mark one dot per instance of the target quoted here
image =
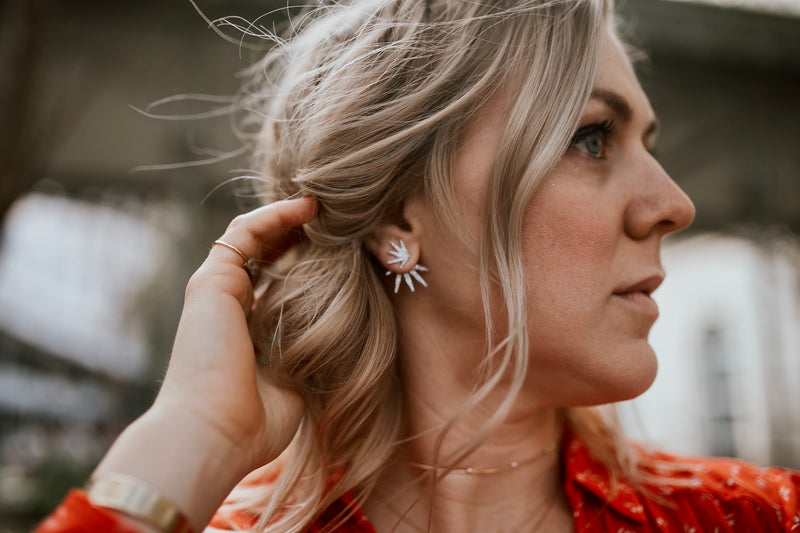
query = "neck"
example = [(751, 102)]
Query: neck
[(460, 447), (437, 362), (442, 427), (408, 499), (500, 469), (529, 498)]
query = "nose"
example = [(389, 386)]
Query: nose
[(658, 205)]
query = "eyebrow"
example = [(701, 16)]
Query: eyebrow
[(622, 108)]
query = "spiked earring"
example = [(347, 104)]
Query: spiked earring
[(401, 257)]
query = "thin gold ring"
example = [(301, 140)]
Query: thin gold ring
[(235, 249)]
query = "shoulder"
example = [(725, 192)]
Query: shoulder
[(721, 491), (682, 494)]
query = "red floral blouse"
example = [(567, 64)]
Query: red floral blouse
[(702, 495), (698, 495)]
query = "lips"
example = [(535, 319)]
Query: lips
[(637, 295), (646, 285)]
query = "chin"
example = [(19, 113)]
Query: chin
[(589, 377), (628, 378), (640, 375)]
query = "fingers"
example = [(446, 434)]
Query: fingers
[(261, 236), (265, 233)]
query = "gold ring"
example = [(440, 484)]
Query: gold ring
[(235, 249)]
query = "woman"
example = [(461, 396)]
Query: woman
[(482, 219)]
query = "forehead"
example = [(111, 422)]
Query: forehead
[(616, 74)]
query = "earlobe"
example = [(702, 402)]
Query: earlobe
[(398, 252), (397, 242), (396, 249)]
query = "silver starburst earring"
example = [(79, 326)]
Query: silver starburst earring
[(401, 257)]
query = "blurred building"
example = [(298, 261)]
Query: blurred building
[(723, 83), (78, 305), (94, 255)]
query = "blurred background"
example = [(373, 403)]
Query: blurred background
[(95, 251)]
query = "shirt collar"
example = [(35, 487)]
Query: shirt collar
[(585, 474)]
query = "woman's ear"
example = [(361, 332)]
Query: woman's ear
[(396, 243), (395, 247)]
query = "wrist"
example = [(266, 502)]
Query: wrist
[(139, 501), (183, 462)]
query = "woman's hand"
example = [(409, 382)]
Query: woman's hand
[(213, 377), (218, 414)]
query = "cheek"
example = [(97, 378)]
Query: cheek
[(583, 353), (568, 245)]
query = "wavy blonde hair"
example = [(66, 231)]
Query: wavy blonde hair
[(365, 104)]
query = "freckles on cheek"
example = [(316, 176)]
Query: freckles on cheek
[(566, 236)]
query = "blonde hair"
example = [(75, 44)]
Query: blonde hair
[(364, 105)]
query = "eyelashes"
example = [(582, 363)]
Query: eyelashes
[(595, 139), (592, 139), (605, 127)]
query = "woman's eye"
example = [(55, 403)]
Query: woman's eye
[(591, 144), (592, 139)]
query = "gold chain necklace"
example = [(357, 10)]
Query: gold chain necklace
[(535, 522), (469, 471)]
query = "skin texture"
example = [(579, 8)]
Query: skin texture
[(592, 231)]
